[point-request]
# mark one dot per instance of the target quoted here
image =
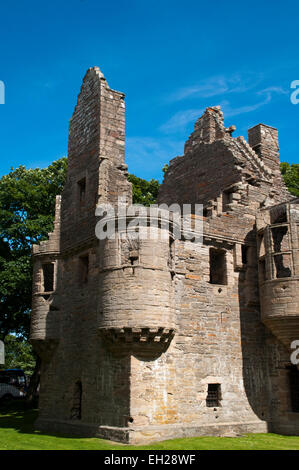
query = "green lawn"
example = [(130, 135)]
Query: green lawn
[(17, 433)]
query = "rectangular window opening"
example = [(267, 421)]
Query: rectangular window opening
[(171, 254), (82, 190), (226, 199), (76, 411), (83, 269), (48, 277), (218, 274), (244, 249), (280, 239), (262, 270), (282, 265), (278, 215), (214, 395)]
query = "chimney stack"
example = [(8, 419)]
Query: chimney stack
[(264, 141)]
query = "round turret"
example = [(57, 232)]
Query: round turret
[(137, 309), (279, 273)]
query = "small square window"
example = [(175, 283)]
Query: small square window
[(214, 395)]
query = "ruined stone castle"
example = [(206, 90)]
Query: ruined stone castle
[(146, 339)]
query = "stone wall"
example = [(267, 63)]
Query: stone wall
[(144, 339)]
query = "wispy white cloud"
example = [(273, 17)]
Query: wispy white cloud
[(181, 119), (217, 85), (274, 89), (230, 111), (268, 96)]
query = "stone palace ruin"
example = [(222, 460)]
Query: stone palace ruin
[(147, 339)]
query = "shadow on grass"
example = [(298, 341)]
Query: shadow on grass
[(20, 416)]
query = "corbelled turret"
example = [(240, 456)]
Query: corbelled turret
[(278, 248)]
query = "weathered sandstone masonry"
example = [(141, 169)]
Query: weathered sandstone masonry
[(152, 337)]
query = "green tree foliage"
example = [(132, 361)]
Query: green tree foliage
[(27, 206), (290, 174), (19, 354), (144, 192)]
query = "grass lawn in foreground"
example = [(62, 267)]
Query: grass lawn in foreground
[(17, 433)]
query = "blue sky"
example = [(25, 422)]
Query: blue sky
[(172, 59)]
